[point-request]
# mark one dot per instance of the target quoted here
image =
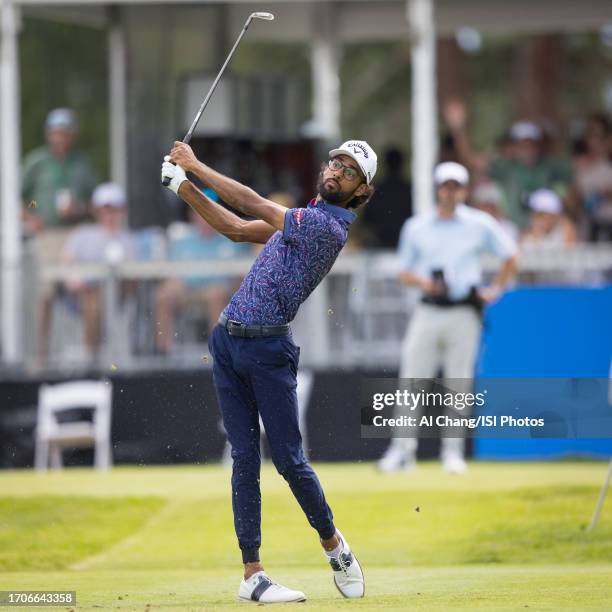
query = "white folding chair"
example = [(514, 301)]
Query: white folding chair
[(52, 435)]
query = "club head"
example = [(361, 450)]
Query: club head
[(265, 16)]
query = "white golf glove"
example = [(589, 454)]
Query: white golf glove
[(175, 173)]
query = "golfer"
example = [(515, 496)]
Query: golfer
[(255, 359)]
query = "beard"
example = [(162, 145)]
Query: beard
[(335, 195)]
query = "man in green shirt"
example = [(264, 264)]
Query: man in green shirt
[(57, 183), (57, 180), (527, 171), (525, 167)]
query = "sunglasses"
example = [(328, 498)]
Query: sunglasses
[(349, 173)]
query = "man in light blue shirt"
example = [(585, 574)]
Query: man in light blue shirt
[(440, 253)]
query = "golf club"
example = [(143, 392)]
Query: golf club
[(265, 17)]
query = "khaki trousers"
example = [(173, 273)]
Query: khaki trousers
[(439, 337)]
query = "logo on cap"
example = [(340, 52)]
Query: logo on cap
[(358, 147)]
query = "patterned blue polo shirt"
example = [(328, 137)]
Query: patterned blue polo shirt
[(291, 265)]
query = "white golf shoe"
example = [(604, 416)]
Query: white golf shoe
[(348, 576), (396, 459), (454, 463), (259, 588)]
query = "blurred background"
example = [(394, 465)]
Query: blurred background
[(106, 275)]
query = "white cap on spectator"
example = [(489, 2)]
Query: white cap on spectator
[(451, 171), (61, 118), (545, 201), (362, 153), (109, 194), (525, 130)]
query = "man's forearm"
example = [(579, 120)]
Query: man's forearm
[(467, 154), (505, 273), (412, 280), (221, 219)]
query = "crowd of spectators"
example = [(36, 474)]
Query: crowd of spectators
[(542, 190), (539, 197), (554, 192), (70, 219)]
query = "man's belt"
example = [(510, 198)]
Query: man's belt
[(235, 328), (473, 299), (444, 301)]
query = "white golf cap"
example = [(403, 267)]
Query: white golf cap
[(109, 194), (61, 118), (451, 171), (525, 130), (362, 153), (545, 201)]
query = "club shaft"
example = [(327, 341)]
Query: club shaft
[(215, 82)]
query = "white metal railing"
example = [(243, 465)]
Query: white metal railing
[(582, 257), (355, 318)]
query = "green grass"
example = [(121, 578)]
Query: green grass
[(51, 532), (502, 537)]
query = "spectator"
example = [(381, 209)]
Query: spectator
[(57, 183), (593, 177), (488, 197), (525, 169), (103, 241), (56, 186), (547, 224), (391, 205), (192, 242), (439, 253)]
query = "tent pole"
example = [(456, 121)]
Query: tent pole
[(420, 14), (10, 199)]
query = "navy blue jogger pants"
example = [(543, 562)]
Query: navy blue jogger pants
[(253, 377)]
